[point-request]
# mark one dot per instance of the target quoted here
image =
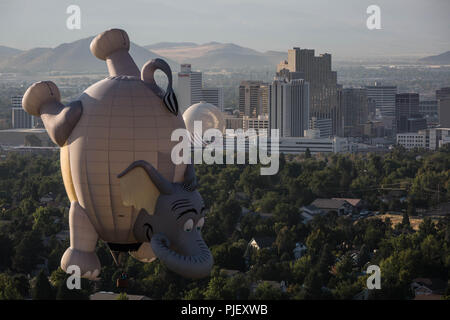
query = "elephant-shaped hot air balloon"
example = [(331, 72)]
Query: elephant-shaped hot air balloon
[(117, 169)]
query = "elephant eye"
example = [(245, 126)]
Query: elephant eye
[(200, 223), (188, 225)]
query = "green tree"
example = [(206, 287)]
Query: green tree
[(8, 290), (64, 293), (22, 284), (42, 289), (307, 154), (265, 291), (27, 252)]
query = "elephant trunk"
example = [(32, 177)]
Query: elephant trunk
[(193, 266)]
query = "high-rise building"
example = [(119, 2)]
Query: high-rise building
[(372, 108), (16, 101), (443, 93), (339, 123), (21, 119), (289, 106), (406, 107), (322, 81), (429, 110), (213, 96), (443, 98), (253, 98), (258, 124), (264, 108), (384, 97), (444, 112), (355, 110), (324, 126), (189, 88)]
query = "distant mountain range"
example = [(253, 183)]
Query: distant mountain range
[(443, 58), (67, 57), (6, 52), (75, 57), (217, 55)]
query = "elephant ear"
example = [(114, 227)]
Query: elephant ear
[(141, 185)]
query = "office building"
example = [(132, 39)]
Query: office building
[(430, 139), (190, 90), (372, 108), (189, 87), (294, 145), (213, 96), (443, 93), (21, 119), (443, 98), (355, 110), (406, 107), (374, 129), (384, 97), (259, 123), (233, 121), (253, 98), (289, 106), (415, 124), (16, 101), (325, 126), (316, 70), (429, 110)]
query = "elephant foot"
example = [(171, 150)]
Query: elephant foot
[(88, 263)]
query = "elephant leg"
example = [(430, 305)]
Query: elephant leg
[(83, 240), (144, 253)]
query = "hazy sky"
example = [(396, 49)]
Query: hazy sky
[(409, 27)]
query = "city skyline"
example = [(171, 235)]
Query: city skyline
[(407, 27)]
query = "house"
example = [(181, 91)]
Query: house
[(299, 250), (357, 204), (103, 295), (324, 206), (309, 212), (428, 289)]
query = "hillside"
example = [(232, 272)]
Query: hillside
[(69, 57), (443, 58), (217, 55), (6, 52)]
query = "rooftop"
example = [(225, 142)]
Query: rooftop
[(328, 203)]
